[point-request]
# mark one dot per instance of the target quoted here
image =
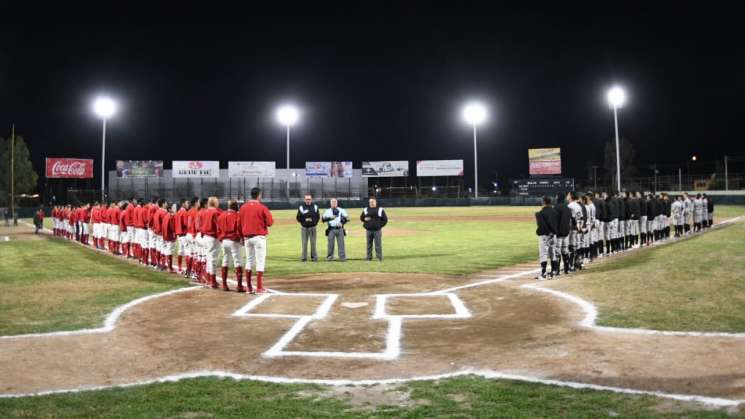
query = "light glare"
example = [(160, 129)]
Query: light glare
[(287, 115), (104, 107), (474, 113), (616, 97)]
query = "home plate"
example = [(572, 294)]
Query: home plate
[(353, 305)]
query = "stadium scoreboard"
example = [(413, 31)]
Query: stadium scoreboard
[(540, 187)]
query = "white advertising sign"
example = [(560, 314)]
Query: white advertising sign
[(195, 168), (439, 168), (251, 168), (397, 168)]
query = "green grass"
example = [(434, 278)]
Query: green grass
[(694, 285), (51, 285), (459, 397)]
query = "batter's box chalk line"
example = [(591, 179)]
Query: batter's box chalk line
[(393, 333)]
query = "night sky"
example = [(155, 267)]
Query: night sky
[(385, 83)]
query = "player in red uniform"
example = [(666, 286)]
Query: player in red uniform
[(140, 231), (114, 214), (207, 221), (180, 228), (156, 224), (191, 239), (129, 226), (255, 219), (229, 234), (152, 249), (168, 233)]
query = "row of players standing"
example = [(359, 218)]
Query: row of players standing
[(149, 231), (583, 228)]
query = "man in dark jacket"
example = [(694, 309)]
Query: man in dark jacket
[(374, 219), (562, 233), (709, 210), (308, 216), (547, 222)]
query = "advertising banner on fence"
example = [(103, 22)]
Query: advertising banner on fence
[(196, 168), (62, 168), (396, 168), (544, 161), (439, 168), (328, 168), (251, 168), (139, 168)]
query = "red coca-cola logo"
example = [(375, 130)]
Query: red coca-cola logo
[(69, 168), (195, 165)]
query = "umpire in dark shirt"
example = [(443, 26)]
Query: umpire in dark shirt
[(374, 219), (308, 216)]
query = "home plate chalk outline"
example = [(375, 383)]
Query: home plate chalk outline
[(393, 334)]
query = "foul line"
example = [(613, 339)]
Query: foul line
[(489, 374)]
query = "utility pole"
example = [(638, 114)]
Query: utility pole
[(13, 174), (726, 175), (595, 177)]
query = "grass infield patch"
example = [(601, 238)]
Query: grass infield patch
[(458, 397)]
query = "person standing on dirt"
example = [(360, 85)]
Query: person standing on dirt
[(335, 217), (39, 220), (547, 223), (308, 217), (374, 219), (255, 219)]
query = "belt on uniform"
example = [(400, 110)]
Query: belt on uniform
[(335, 228)]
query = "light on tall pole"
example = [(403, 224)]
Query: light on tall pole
[(288, 115), (616, 99), (475, 114), (104, 107)]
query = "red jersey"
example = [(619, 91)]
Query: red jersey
[(167, 226), (73, 216), (114, 214), (179, 221), (105, 215), (129, 215), (85, 215), (151, 210), (122, 223), (229, 226), (94, 215), (139, 216), (157, 219), (255, 219), (207, 222), (191, 221)]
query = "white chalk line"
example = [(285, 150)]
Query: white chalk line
[(591, 311), (489, 374), (393, 333), (109, 323), (588, 321)]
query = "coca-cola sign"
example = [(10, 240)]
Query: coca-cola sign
[(62, 168)]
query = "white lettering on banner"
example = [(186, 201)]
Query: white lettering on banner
[(71, 169)]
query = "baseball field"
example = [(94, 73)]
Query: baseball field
[(451, 323)]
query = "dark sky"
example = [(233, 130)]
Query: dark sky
[(385, 83)]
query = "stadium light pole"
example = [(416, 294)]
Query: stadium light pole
[(104, 107), (475, 114), (616, 99), (287, 115)]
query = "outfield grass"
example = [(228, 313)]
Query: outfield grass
[(50, 285), (694, 285), (459, 397)]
